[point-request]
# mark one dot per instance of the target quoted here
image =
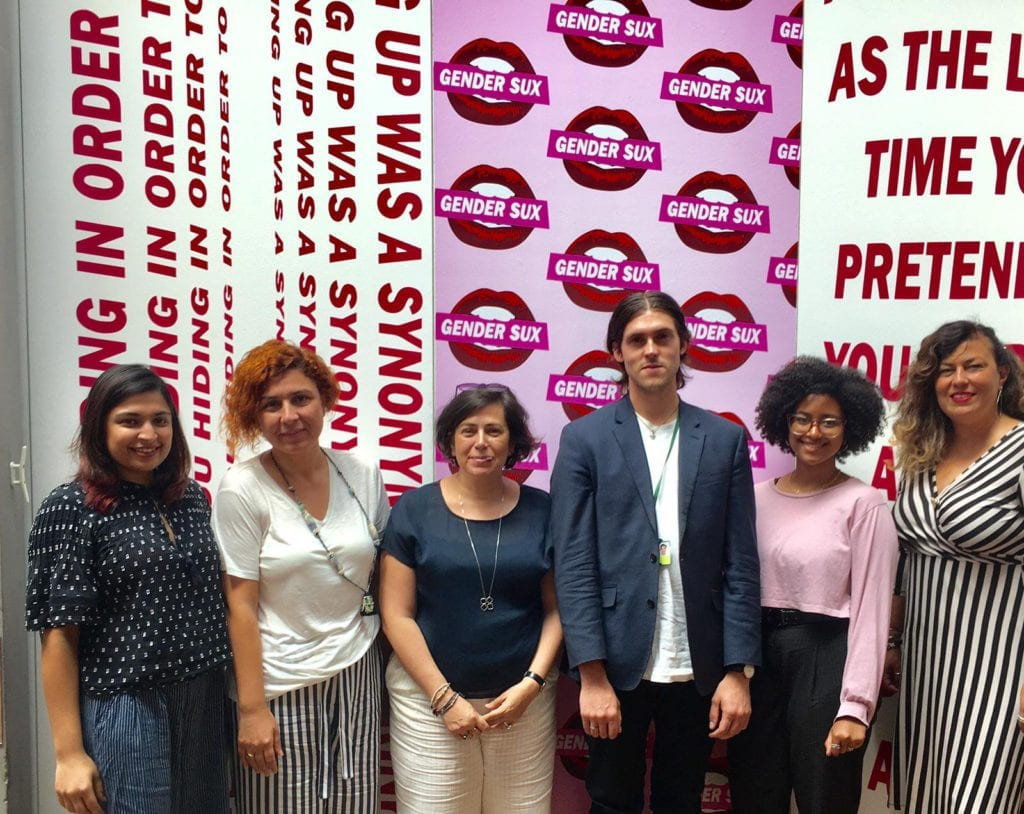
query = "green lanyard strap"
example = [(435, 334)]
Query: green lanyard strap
[(664, 466)]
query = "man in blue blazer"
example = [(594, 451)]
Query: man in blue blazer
[(656, 570)]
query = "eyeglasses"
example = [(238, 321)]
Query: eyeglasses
[(801, 424), (462, 388)]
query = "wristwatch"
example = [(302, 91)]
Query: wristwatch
[(747, 669)]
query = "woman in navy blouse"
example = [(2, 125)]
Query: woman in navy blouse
[(124, 584), (468, 604)]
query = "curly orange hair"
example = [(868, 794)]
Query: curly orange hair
[(254, 373)]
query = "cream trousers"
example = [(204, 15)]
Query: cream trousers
[(501, 770)]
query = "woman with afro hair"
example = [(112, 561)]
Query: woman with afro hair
[(827, 545)]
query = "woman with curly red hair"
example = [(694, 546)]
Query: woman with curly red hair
[(298, 528)]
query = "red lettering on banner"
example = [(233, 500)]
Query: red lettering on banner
[(398, 396), (1014, 66), (195, 96), (952, 270), (922, 168), (881, 770), (339, 16), (307, 311), (97, 179), (343, 342), (201, 380), (304, 93), (100, 317), (229, 334), (844, 77), (161, 247), (884, 477), (225, 246), (1003, 155), (398, 134), (305, 204), (275, 41), (163, 313), (405, 81), (343, 84), (279, 304), (341, 151), (883, 369), (960, 60), (197, 247), (224, 98), (192, 25), (97, 244)]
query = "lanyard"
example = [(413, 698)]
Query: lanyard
[(664, 466)]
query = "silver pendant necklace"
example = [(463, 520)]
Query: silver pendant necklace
[(486, 595)]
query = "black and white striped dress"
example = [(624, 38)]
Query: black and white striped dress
[(958, 749)]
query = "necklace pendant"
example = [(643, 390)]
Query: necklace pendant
[(487, 603), (367, 607)]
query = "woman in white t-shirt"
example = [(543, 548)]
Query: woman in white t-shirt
[(298, 528)]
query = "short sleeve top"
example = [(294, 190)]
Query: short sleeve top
[(309, 615), (482, 653), (149, 611)]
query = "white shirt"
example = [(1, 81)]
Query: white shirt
[(309, 621), (670, 651)]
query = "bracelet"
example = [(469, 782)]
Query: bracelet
[(439, 694), (538, 678), (455, 696)]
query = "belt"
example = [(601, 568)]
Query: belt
[(788, 617)]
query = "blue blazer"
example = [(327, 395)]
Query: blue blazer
[(605, 536)]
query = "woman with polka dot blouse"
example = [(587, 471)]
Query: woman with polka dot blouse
[(298, 528), (123, 582)]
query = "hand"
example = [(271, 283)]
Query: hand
[(1020, 711), (259, 742), (463, 721), (78, 784), (599, 710), (847, 734), (509, 707), (730, 706), (891, 672)]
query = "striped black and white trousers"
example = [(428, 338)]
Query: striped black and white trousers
[(330, 734)]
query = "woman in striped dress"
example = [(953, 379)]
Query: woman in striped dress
[(959, 437)]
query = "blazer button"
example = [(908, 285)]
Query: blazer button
[(654, 557), (651, 603)]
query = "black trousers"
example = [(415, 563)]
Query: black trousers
[(617, 768), (794, 698)]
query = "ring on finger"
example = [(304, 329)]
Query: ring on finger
[(836, 747), (464, 736), (249, 754)]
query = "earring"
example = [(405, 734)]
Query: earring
[(999, 401)]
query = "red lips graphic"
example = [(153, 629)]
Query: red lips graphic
[(790, 290), (717, 121), (708, 359), (721, 5), (490, 111), (485, 236), (575, 755), (793, 173), (585, 365), (735, 419), (796, 52), (591, 297), (607, 55), (481, 358), (704, 239), (607, 178)]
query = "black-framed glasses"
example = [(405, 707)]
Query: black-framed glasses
[(829, 425)]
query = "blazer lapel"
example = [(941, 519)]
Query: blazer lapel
[(691, 446), (627, 435)]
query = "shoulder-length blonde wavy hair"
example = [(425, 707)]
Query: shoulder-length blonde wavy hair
[(921, 431)]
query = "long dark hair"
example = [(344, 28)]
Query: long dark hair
[(97, 471)]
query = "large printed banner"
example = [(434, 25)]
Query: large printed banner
[(203, 176), (586, 150), (911, 200)]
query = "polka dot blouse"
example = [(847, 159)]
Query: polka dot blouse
[(150, 612)]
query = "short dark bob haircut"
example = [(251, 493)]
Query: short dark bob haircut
[(97, 470), (636, 304), (859, 398), (521, 441)]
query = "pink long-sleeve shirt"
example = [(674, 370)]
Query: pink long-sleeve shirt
[(834, 553)]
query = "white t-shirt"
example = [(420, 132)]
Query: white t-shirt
[(670, 651), (309, 620)]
